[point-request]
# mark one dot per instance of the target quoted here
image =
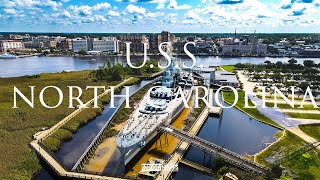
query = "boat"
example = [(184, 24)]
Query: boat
[(7, 56), (166, 104)]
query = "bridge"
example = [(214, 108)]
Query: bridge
[(214, 149)]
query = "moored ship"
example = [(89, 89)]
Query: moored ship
[(165, 105), (7, 56)]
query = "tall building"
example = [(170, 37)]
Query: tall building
[(106, 44), (65, 44), (137, 42), (154, 41), (41, 39), (11, 45), (79, 44)]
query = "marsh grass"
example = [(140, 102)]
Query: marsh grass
[(17, 126)]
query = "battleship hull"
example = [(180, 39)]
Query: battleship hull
[(129, 153)]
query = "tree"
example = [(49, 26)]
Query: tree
[(82, 52), (279, 64), (309, 63), (275, 172), (292, 61)]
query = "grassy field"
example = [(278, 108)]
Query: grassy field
[(17, 126), (303, 166), (286, 106), (313, 130), (228, 68), (53, 142), (304, 116), (229, 98)]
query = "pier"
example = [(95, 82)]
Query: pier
[(190, 138), (219, 151), (183, 146), (214, 110), (196, 166), (51, 162)]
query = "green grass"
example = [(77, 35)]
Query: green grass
[(313, 130), (229, 68), (18, 160), (304, 116), (304, 164), (254, 112), (286, 106), (268, 97)]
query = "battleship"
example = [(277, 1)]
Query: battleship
[(165, 105)]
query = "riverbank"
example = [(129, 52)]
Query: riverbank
[(228, 97), (305, 165), (106, 148), (18, 126)]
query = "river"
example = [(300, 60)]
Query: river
[(36, 65)]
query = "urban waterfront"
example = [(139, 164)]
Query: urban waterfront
[(248, 140), (36, 65)]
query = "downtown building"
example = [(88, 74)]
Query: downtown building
[(244, 46), (79, 44), (106, 44), (137, 42), (10, 45)]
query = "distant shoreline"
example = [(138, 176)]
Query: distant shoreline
[(197, 55)]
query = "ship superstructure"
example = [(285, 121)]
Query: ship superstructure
[(164, 106)]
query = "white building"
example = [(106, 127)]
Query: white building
[(79, 44), (41, 39), (107, 44), (11, 45)]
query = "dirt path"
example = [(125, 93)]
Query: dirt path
[(103, 153)]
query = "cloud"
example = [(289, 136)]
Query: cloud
[(113, 13), (191, 15), (101, 6), (81, 10), (135, 9), (174, 5), (9, 11), (65, 14)]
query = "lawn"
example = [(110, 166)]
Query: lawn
[(313, 130), (286, 106), (254, 112), (304, 165), (304, 116), (228, 68), (17, 126)]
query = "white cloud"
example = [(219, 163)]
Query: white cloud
[(9, 11), (100, 18), (174, 5), (113, 13), (101, 6), (135, 9), (81, 10), (66, 14), (191, 15)]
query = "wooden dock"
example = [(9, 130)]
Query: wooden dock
[(52, 163), (214, 110), (196, 166), (183, 146)]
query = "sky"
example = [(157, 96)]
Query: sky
[(147, 16)]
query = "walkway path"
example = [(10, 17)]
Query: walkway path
[(42, 135), (303, 135), (291, 124)]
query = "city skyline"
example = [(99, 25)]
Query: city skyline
[(148, 16)]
